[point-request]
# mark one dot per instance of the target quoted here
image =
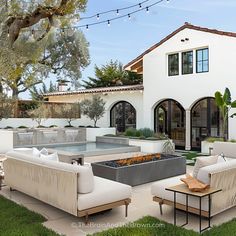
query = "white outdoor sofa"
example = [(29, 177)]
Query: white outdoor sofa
[(71, 188), (220, 175)]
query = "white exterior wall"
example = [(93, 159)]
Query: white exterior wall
[(188, 89), (135, 98)]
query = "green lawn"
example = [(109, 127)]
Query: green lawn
[(16, 220), (150, 226)]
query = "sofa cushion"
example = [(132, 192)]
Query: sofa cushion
[(158, 189), (204, 173), (105, 191), (85, 179), (203, 161)]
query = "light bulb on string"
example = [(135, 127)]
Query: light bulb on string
[(8, 33), (117, 12), (140, 5), (129, 16), (108, 23), (147, 9), (98, 16), (87, 27)]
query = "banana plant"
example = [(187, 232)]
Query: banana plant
[(225, 104)]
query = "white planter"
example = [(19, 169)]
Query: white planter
[(206, 146), (6, 143), (148, 146), (92, 133), (227, 148)]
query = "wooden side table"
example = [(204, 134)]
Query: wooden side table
[(183, 189)]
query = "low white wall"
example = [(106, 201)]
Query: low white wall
[(92, 133), (6, 140), (149, 146), (205, 147)]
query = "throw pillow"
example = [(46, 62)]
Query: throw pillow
[(85, 179), (50, 157), (193, 184), (203, 161), (37, 153), (221, 159)]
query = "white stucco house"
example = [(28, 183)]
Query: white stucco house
[(181, 74)]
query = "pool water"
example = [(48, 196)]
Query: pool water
[(86, 147)]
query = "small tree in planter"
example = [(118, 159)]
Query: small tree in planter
[(93, 109), (70, 112), (225, 104), (40, 113), (7, 106)]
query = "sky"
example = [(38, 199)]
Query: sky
[(125, 39)]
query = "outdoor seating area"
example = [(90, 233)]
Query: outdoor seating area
[(63, 208)]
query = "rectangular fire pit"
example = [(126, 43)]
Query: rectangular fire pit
[(140, 170)]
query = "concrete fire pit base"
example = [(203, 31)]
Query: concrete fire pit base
[(142, 173)]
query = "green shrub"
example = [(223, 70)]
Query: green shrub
[(53, 126), (130, 132), (146, 132), (214, 139), (138, 133), (8, 127), (22, 127), (232, 140)]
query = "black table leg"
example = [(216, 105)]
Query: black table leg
[(209, 211), (174, 208), (200, 214)]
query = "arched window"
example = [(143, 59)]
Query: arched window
[(123, 116), (169, 118), (206, 121)]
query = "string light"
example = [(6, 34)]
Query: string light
[(87, 27), (140, 5), (117, 12), (147, 8), (129, 16), (98, 16), (114, 10)]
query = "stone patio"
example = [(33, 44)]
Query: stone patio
[(142, 205)]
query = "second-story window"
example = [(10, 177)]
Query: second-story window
[(202, 60), (173, 64), (187, 62)]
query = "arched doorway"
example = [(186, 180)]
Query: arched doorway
[(169, 118), (123, 116), (206, 121)]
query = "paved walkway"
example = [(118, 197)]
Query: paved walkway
[(142, 205)]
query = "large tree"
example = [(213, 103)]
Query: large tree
[(32, 46), (112, 74)]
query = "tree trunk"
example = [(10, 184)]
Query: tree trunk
[(15, 93), (95, 123)]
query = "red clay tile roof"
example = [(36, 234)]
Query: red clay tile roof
[(185, 26), (97, 90)]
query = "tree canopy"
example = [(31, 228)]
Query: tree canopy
[(112, 74), (33, 47)]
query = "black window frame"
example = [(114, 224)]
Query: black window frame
[(173, 54), (188, 64), (202, 61)]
